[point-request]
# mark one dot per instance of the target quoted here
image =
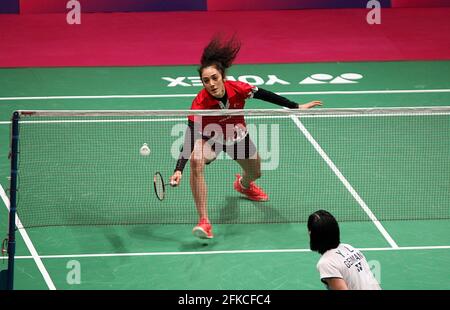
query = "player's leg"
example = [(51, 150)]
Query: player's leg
[(245, 154), (201, 154), (251, 170), (245, 184)]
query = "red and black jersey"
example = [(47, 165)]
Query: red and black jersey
[(237, 93)]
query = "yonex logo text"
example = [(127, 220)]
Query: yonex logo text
[(269, 80)]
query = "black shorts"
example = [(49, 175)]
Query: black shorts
[(243, 149)]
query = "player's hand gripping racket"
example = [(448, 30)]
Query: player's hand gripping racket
[(160, 186)]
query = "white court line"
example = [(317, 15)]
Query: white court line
[(347, 185), (29, 244), (411, 248), (338, 92)]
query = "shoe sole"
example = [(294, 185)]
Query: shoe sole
[(259, 200), (201, 234)]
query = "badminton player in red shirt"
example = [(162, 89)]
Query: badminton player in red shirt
[(207, 136)]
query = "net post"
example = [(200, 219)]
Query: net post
[(12, 199)]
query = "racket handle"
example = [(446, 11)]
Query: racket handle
[(172, 183)]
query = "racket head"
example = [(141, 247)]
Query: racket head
[(159, 186)]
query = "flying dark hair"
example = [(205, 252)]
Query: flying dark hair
[(324, 231), (219, 53)]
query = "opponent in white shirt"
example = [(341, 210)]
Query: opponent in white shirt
[(341, 266)]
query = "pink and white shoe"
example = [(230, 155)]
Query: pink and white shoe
[(203, 230)]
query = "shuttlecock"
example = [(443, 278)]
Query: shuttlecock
[(145, 150)]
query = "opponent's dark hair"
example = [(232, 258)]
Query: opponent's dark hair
[(219, 53), (324, 231)]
